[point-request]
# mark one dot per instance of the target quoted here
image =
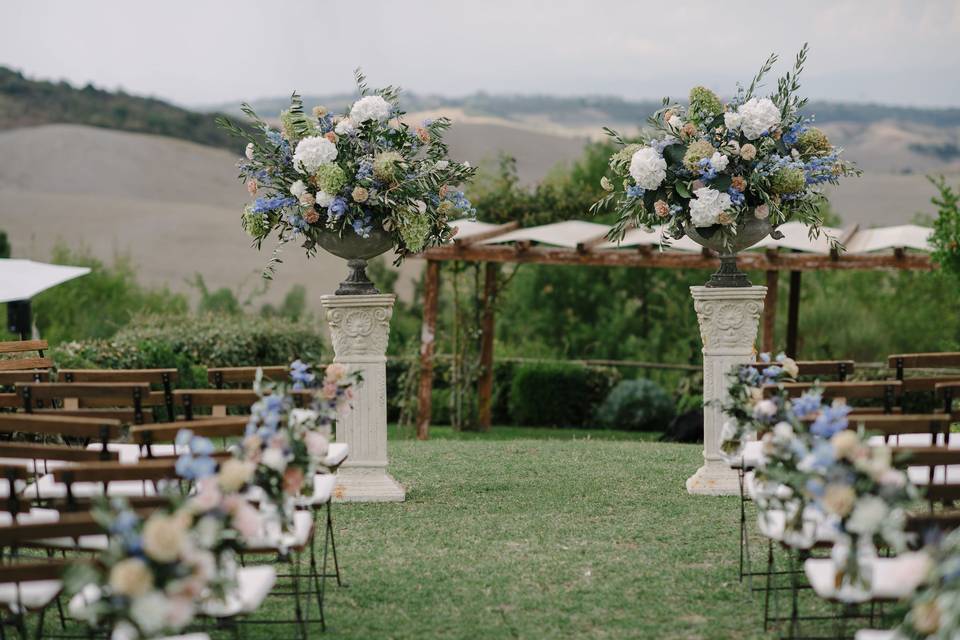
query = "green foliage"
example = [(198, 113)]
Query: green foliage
[(636, 405), (191, 343), (28, 103), (99, 304), (221, 301), (946, 228), (559, 395), (293, 307)]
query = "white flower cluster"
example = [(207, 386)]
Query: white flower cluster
[(312, 153), (756, 116), (706, 207), (370, 108), (648, 168)]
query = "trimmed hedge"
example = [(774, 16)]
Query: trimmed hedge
[(559, 394), (636, 405), (192, 343)]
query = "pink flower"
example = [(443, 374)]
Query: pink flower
[(208, 495), (311, 216), (180, 612), (331, 136), (278, 441), (335, 372), (293, 481), (246, 520), (317, 444), (252, 187), (329, 390), (423, 134)]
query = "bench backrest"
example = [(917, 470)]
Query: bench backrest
[(74, 395), (218, 377), (221, 399), (839, 369), (888, 391), (166, 379), (99, 429)]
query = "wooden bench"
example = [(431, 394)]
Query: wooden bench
[(30, 362), (163, 378), (77, 396), (220, 376), (888, 391), (834, 368), (220, 400)]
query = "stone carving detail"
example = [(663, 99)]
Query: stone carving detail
[(362, 331), (728, 324)]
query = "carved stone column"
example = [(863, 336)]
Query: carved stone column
[(359, 329), (728, 318)]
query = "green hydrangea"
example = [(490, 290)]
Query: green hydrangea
[(385, 165), (697, 151), (621, 158), (255, 224), (814, 142), (788, 180), (414, 230), (705, 102), (330, 178)]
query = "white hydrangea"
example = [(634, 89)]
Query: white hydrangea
[(297, 189), (324, 199), (648, 168), (441, 165), (370, 108), (706, 207), (312, 153), (344, 127), (732, 120), (758, 115), (719, 161), (675, 121)]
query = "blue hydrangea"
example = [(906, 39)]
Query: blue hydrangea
[(807, 404), (791, 134), (735, 196), (832, 420), (272, 203), (301, 375), (635, 191), (338, 207)]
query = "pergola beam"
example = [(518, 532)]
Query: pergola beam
[(525, 253)]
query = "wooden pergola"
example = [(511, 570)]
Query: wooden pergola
[(580, 243)]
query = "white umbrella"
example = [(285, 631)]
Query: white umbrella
[(23, 279)]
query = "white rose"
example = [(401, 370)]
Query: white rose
[(234, 474), (867, 516), (344, 127), (441, 165), (149, 611), (249, 151), (790, 366), (648, 168), (783, 431), (732, 120), (706, 207), (675, 121), (130, 577), (370, 108), (765, 409), (298, 188), (758, 115), (274, 458), (164, 537), (719, 161), (312, 153), (303, 417), (762, 212), (323, 199)]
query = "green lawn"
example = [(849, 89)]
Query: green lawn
[(540, 538)]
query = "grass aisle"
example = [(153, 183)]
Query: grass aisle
[(541, 539)]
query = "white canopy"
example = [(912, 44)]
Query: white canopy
[(23, 279)]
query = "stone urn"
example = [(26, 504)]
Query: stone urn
[(356, 250), (750, 231)]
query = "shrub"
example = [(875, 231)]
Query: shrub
[(561, 394), (636, 405), (192, 343)]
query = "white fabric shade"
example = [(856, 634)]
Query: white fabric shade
[(23, 279)]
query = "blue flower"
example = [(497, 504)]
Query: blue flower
[(635, 191), (190, 467), (124, 522), (771, 373), (831, 420), (735, 196), (184, 436), (361, 230), (338, 207), (764, 357), (200, 446), (301, 375), (807, 404), (272, 203)]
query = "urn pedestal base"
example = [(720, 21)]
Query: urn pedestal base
[(728, 319), (359, 329)]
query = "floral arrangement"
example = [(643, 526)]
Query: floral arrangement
[(714, 165), (284, 446), (156, 569), (747, 411), (351, 173), (934, 612)]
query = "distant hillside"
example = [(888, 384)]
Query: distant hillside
[(26, 103)]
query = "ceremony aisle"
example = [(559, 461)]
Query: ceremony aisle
[(541, 538)]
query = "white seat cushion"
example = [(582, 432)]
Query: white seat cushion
[(97, 542), (336, 454), (299, 537), (323, 484), (752, 454), (893, 578), (48, 488), (921, 475), (34, 516), (253, 585), (772, 524), (32, 595), (877, 634), (131, 453), (37, 465), (754, 488)]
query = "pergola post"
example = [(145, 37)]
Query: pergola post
[(793, 314), (770, 312), (487, 330), (428, 335)]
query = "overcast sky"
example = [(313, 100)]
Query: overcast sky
[(197, 52)]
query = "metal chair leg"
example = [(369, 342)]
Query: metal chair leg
[(333, 544), (319, 582)]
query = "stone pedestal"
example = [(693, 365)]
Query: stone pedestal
[(359, 329), (728, 318)]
